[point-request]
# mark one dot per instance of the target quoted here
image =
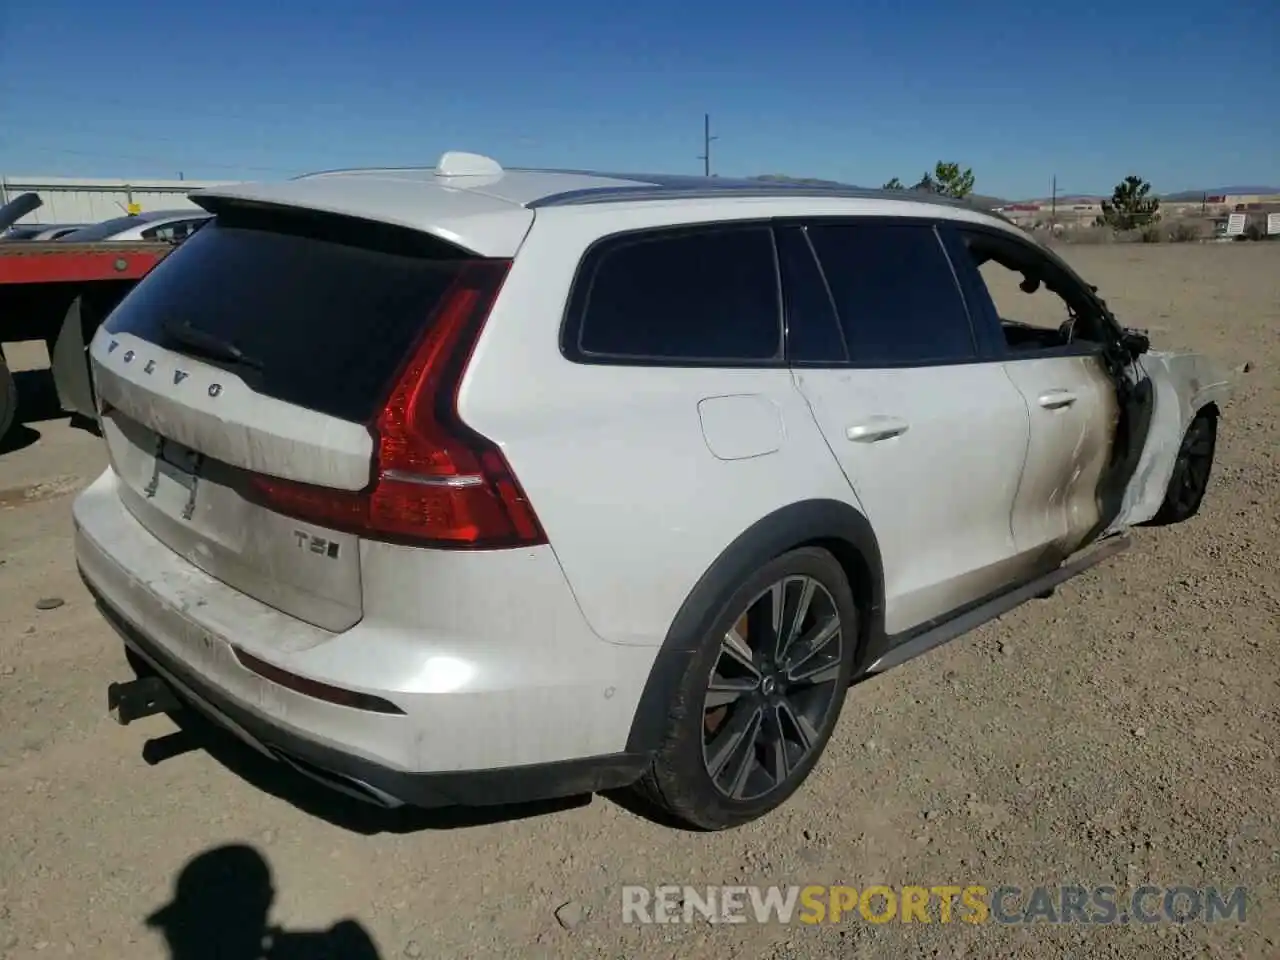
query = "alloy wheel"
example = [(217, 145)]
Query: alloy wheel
[(772, 688)]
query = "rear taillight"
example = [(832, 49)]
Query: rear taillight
[(436, 481)]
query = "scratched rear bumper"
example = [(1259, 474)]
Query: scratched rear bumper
[(361, 778), (182, 623)]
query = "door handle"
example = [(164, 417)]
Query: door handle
[(1057, 399), (877, 428)]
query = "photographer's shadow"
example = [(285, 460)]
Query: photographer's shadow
[(220, 910)]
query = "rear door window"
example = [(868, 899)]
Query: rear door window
[(814, 337), (895, 293), (321, 310), (707, 295)]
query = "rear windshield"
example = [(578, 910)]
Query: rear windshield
[(321, 312)]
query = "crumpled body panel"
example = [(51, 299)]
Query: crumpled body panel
[(1183, 383)]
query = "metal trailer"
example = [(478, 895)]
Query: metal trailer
[(60, 293)]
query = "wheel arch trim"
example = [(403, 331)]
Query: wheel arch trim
[(831, 523)]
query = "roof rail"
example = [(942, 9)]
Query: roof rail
[(338, 171), (701, 189)]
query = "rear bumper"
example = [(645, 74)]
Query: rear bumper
[(521, 725), (364, 778)]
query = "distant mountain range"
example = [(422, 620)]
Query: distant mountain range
[(1183, 196), (1187, 195), (980, 200), (976, 199)]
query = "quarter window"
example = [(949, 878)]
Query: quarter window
[(701, 296)]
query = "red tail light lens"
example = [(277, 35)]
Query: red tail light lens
[(436, 481)]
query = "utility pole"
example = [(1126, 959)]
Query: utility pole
[(1053, 203), (705, 156)]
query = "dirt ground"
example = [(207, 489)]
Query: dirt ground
[(1122, 732)]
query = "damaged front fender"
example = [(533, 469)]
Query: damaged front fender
[(1183, 384)]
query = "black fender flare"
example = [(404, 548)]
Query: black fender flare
[(831, 523)]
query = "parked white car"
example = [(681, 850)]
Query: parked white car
[(40, 232), (469, 485), (154, 225)]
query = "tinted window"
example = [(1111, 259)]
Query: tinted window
[(813, 332), (323, 311), (895, 293), (709, 295)]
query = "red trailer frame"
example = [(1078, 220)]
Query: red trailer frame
[(23, 262), (60, 292)]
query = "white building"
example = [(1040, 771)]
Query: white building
[(92, 199)]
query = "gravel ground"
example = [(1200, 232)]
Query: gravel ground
[(1122, 732)]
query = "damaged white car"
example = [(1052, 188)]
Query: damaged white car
[(464, 485)]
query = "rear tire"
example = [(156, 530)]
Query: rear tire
[(757, 704), (1191, 471), (8, 399)]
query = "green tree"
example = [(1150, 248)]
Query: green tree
[(946, 179), (926, 184), (950, 181), (1131, 206)]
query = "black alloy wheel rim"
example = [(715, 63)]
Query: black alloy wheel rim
[(1191, 469), (772, 688)]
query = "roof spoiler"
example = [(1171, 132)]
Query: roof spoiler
[(17, 208)]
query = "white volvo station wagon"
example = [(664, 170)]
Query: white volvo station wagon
[(465, 485)]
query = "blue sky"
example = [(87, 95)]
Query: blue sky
[(1183, 93)]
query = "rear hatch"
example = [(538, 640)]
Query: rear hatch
[(264, 347)]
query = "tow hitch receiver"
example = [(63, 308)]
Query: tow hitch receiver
[(140, 698)]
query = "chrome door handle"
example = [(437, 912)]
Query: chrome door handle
[(1057, 399), (877, 428)]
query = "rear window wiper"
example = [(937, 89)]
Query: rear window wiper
[(207, 344)]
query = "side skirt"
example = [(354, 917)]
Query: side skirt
[(909, 647)]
